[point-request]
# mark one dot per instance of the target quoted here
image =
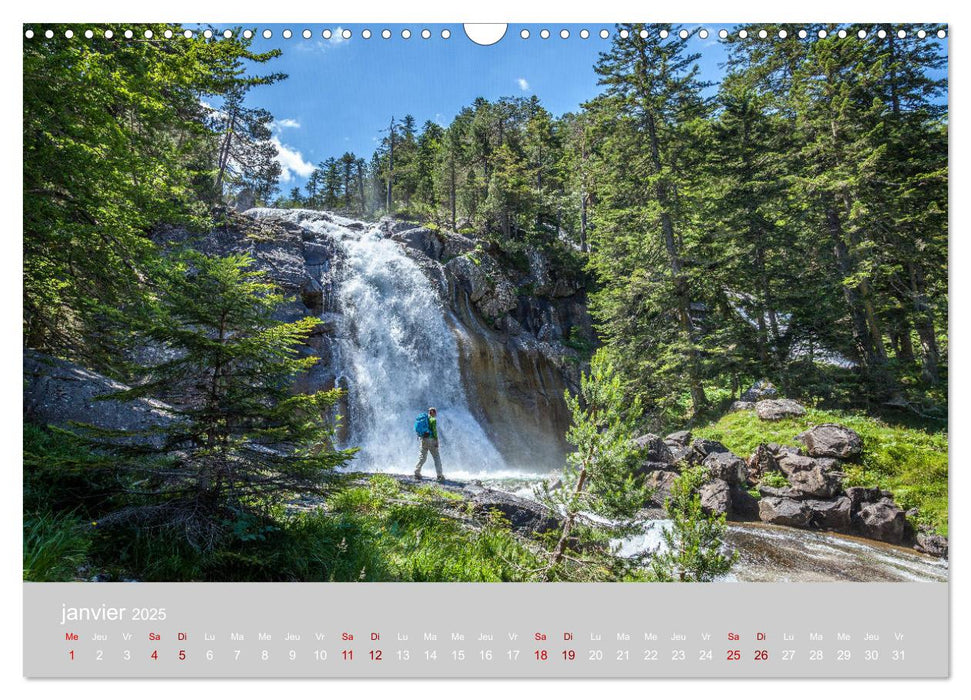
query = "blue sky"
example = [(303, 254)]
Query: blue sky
[(341, 93)]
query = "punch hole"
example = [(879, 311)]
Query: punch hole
[(486, 34)]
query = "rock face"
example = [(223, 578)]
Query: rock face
[(832, 440), (742, 406), (58, 392), (777, 409)]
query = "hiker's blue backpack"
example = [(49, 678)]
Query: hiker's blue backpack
[(422, 427)]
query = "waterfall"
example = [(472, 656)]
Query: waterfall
[(396, 354)]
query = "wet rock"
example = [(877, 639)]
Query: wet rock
[(726, 467), (784, 511), (653, 449), (777, 409), (762, 389), (524, 516), (830, 514), (742, 406), (761, 463), (831, 440), (882, 521), (932, 544), (815, 483), (423, 239), (716, 497)]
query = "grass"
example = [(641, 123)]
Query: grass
[(908, 461), (371, 531), (55, 546)]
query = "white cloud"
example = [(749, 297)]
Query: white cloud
[(291, 161), (337, 37), (523, 85), (286, 124)]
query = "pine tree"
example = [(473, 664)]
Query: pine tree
[(241, 441), (693, 544), (600, 475), (651, 97)]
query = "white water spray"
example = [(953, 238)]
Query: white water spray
[(396, 355)]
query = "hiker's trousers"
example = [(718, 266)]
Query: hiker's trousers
[(429, 445)]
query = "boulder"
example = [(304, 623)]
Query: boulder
[(831, 514), (701, 448), (775, 491), (815, 483), (777, 409), (682, 438), (784, 511), (653, 449), (745, 506), (882, 521), (726, 467), (780, 451), (716, 497), (860, 496), (832, 440), (679, 443), (660, 483), (741, 406), (762, 389), (761, 463), (525, 516), (932, 544), (790, 463)]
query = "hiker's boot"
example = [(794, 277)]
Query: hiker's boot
[(440, 477), (418, 474)]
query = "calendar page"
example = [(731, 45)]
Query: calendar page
[(485, 351)]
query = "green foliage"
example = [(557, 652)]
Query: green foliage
[(241, 439), (55, 546), (116, 141), (694, 542), (600, 476), (910, 462), (774, 479)]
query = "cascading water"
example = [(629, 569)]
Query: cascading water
[(396, 354)]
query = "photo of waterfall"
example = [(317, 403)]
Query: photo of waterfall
[(647, 303)]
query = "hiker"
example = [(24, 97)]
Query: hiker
[(426, 426)]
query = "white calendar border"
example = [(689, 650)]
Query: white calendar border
[(711, 11)]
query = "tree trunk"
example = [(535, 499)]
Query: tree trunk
[(924, 322), (862, 330)]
